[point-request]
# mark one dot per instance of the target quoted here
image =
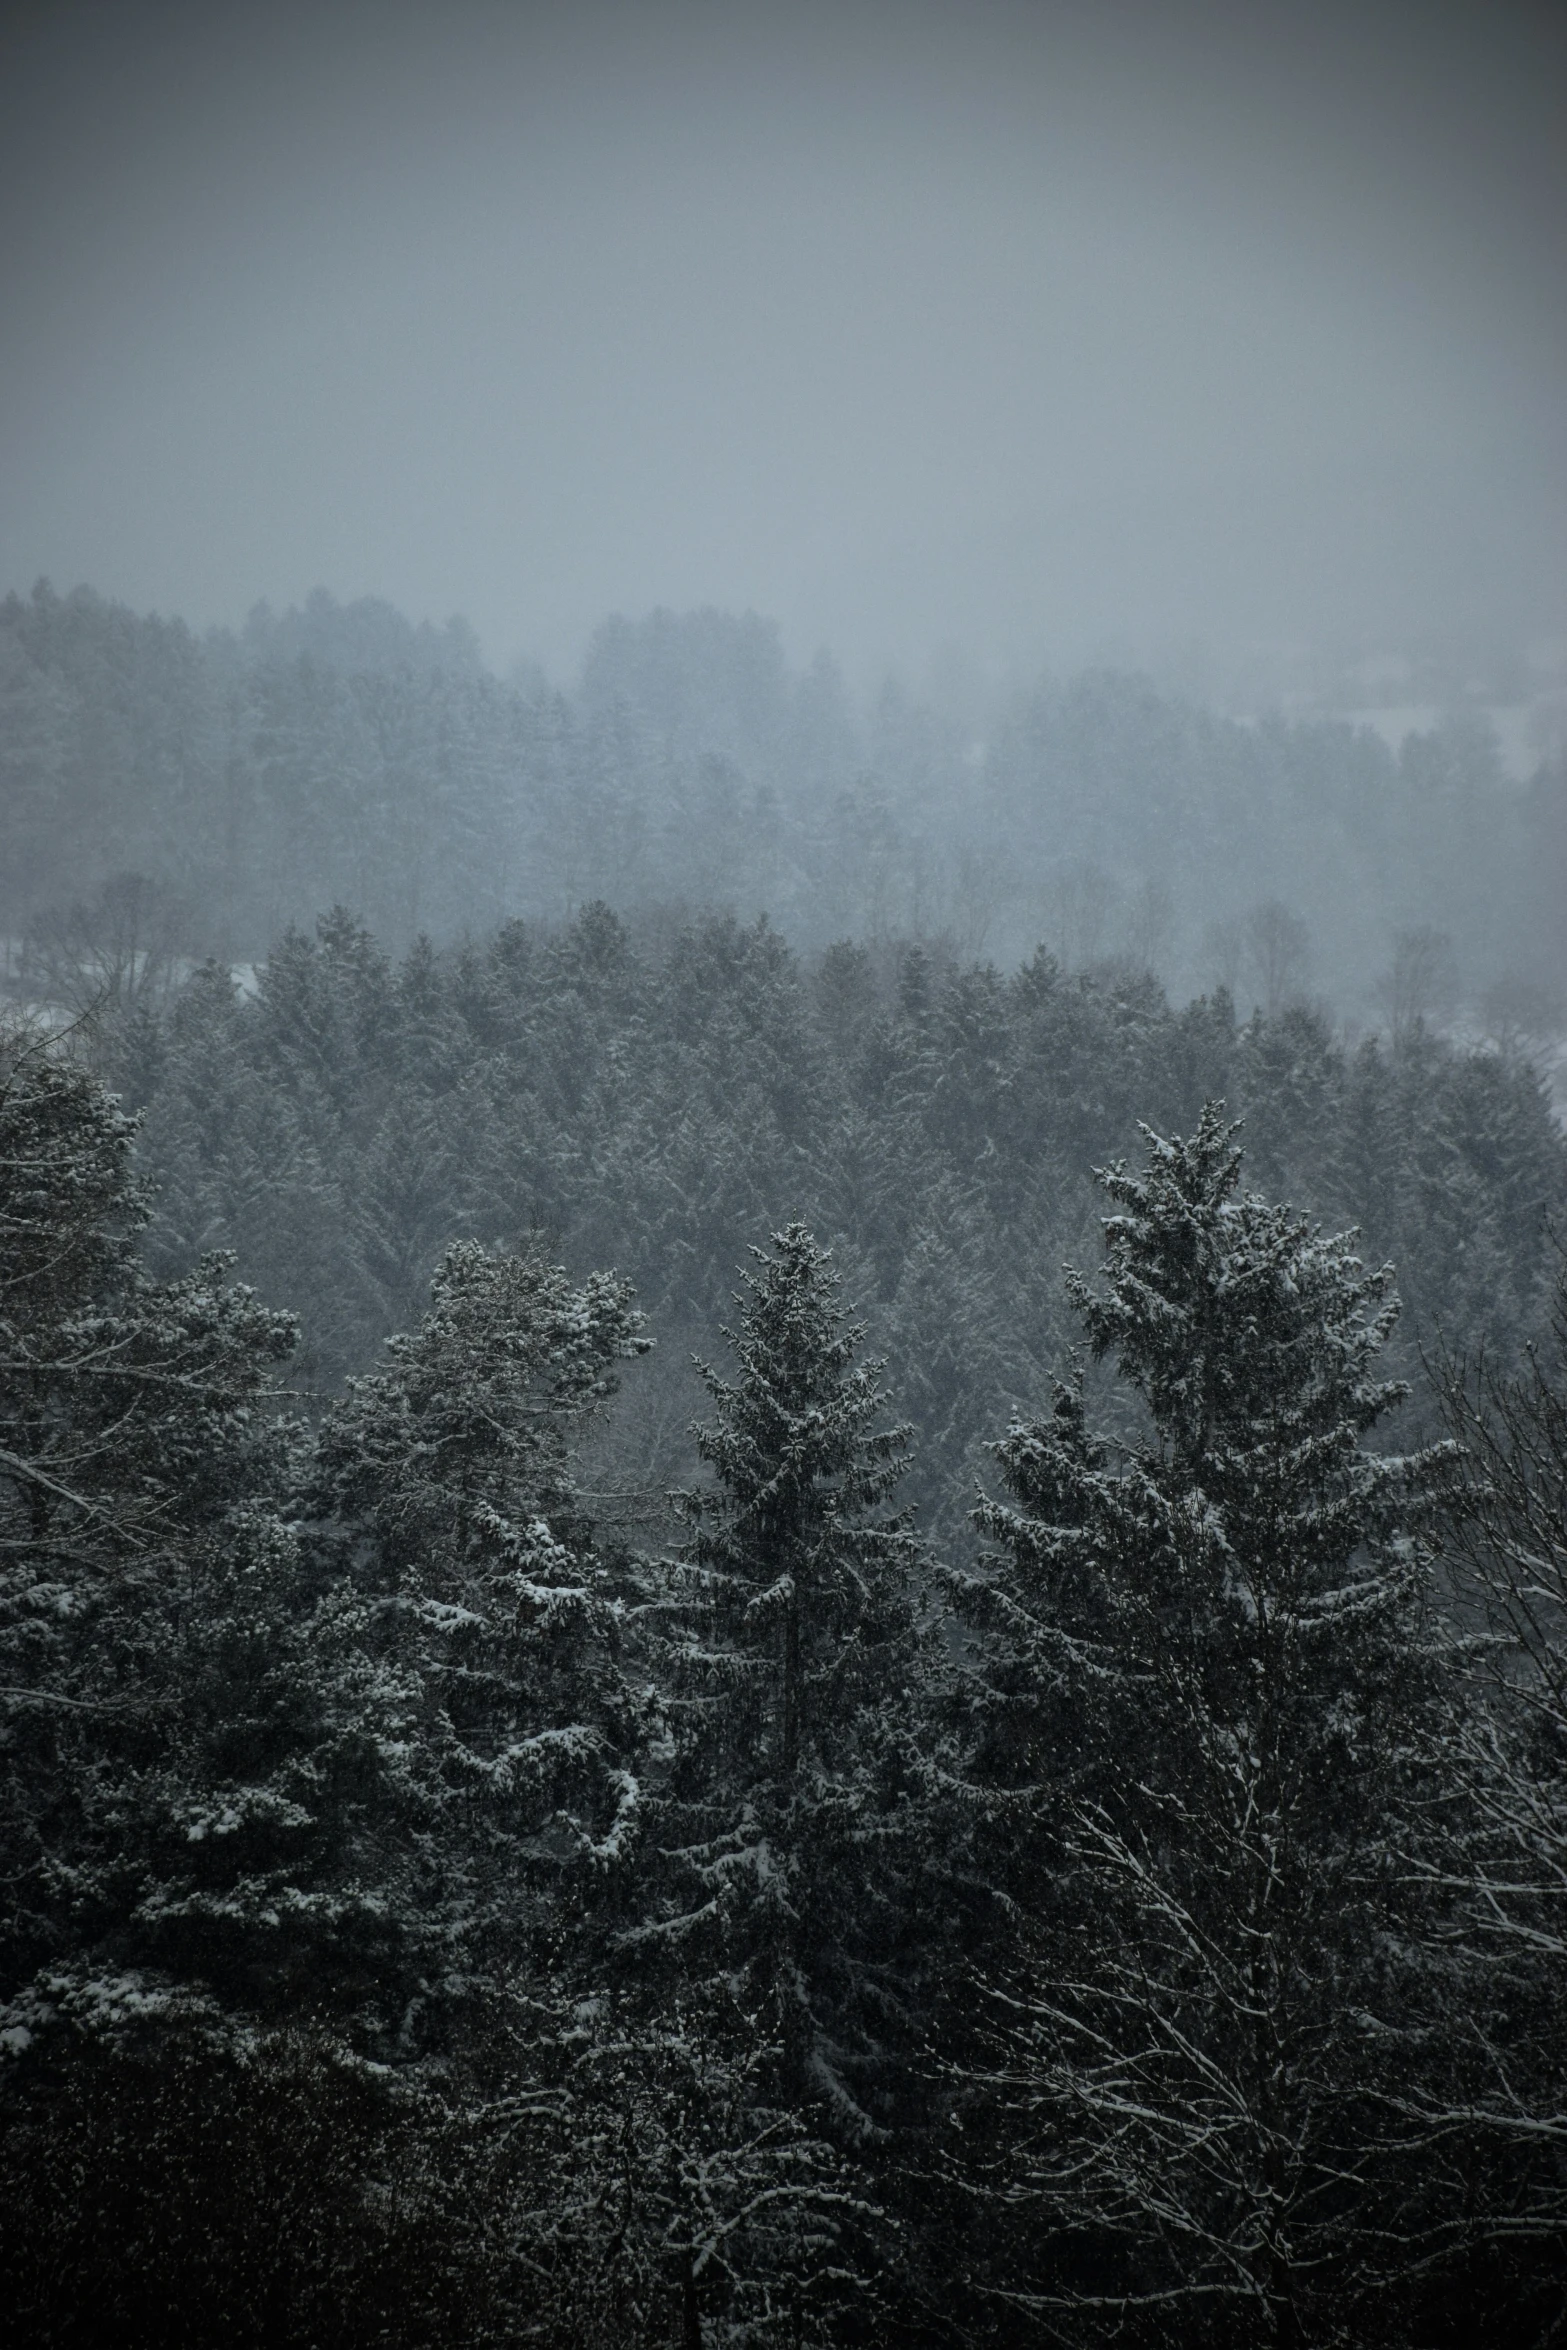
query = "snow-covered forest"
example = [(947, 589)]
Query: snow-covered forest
[(336, 754), (783, 1175), (733, 1613)]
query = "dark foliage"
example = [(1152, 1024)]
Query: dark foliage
[(652, 1104), (455, 1893)]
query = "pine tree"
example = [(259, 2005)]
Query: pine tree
[(133, 1430), (1208, 1653), (767, 1988), (794, 1659), (203, 1772), (441, 1495)]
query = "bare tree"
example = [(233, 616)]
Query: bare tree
[(1421, 985), (1505, 2113), (124, 947), (1278, 954), (1148, 927), (979, 889), (1523, 1016), (1223, 955), (1081, 901)]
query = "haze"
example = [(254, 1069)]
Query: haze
[(1037, 334)]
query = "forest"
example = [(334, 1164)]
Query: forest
[(337, 754), (785, 1540)]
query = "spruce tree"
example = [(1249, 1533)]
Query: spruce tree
[(770, 1960), (441, 1496), (135, 1454), (794, 1654), (203, 1771), (1205, 1643)]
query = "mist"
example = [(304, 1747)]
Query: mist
[(1184, 335)]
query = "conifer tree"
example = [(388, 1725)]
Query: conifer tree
[(441, 1494), (1207, 1647), (203, 1769), (768, 1997), (794, 1656), (134, 1450)]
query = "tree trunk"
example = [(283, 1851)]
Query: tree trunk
[(690, 2313), (1288, 2332)]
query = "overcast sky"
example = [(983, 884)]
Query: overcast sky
[(1038, 331)]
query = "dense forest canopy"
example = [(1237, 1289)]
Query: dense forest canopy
[(338, 754), (783, 1330), (447, 1905), (651, 1102)]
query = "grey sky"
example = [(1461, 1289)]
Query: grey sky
[(1039, 331)]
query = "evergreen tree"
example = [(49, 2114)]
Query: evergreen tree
[(133, 1435), (780, 1847), (203, 1771), (1210, 1654), (794, 1657), (441, 1495)]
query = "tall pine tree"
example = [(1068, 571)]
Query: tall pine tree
[(1224, 1613), (202, 1771), (795, 1656), (784, 1816), (441, 1494)]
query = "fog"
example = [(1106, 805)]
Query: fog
[(1197, 337)]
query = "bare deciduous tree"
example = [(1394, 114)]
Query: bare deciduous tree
[(1504, 2116), (1421, 984), (1148, 927), (1277, 948), (1521, 1015), (1223, 955), (1080, 904), (127, 946)]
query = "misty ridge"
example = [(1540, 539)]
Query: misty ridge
[(383, 950), (196, 796)]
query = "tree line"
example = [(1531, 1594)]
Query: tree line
[(439, 1909), (167, 796), (654, 1097)]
